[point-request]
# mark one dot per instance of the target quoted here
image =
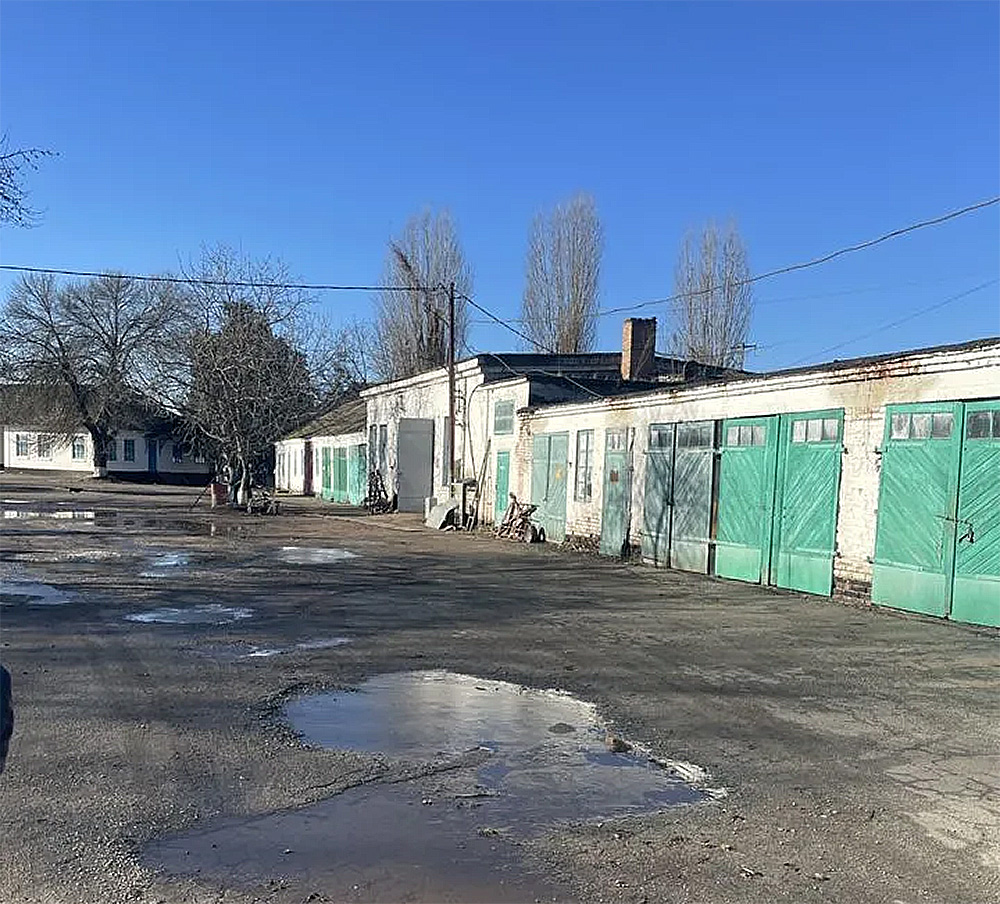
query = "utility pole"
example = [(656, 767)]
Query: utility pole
[(451, 385)]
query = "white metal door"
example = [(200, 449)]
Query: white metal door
[(414, 462)]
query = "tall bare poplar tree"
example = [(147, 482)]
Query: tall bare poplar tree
[(411, 330), (559, 306), (713, 300)]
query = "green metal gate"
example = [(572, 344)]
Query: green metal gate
[(548, 483), (656, 508), (357, 474), (340, 474), (746, 498), (691, 497), (806, 501), (503, 486), (915, 535), (326, 486), (617, 493), (976, 594), (937, 546)]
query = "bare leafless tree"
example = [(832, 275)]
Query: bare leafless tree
[(559, 306), (14, 163), (713, 299), (83, 354), (411, 330), (234, 370)]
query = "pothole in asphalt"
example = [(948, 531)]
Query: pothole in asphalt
[(492, 762), (208, 614), (313, 555)]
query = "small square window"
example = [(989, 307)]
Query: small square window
[(831, 429), (798, 431), (900, 426), (814, 430), (128, 449), (746, 435), (660, 436), (759, 435), (732, 435), (615, 440), (941, 425), (920, 426), (503, 417)]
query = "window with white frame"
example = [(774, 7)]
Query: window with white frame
[(503, 417), (128, 449), (22, 445), (79, 448), (112, 450), (44, 445), (583, 489)]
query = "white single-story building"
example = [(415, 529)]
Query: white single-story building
[(876, 478)]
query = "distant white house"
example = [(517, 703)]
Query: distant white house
[(327, 457)]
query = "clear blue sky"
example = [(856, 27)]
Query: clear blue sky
[(310, 132)]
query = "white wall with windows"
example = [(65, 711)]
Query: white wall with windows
[(862, 391)]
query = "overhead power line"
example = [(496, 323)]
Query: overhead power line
[(232, 283), (815, 262), (898, 322)]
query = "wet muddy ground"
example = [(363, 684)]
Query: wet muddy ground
[(325, 707)]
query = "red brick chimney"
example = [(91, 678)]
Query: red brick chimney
[(639, 349)]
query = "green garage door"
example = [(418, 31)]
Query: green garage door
[(916, 531), (340, 474), (807, 490), (976, 595), (617, 493), (548, 483), (746, 498), (357, 477), (327, 481), (503, 487), (691, 499), (656, 507)]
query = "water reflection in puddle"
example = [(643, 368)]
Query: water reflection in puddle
[(550, 757), (33, 593), (165, 564), (209, 614), (61, 514), (325, 643), (501, 762), (313, 555)]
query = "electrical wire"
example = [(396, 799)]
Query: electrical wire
[(894, 323), (815, 262)]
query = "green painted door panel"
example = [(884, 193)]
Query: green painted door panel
[(976, 594), (656, 508), (617, 490), (327, 484), (915, 534), (340, 474), (548, 483), (503, 486), (357, 474), (807, 491), (692, 497), (746, 498)]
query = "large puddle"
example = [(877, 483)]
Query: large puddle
[(492, 763), (15, 591), (313, 555), (208, 614)]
